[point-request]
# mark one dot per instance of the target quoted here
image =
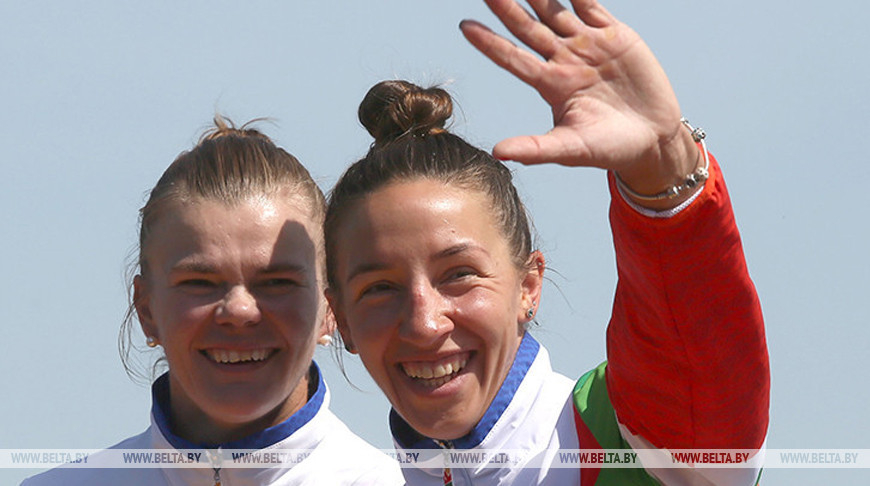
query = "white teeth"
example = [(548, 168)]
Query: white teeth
[(440, 371), (438, 382), (437, 375), (224, 356)]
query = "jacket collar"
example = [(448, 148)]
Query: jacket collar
[(160, 402)]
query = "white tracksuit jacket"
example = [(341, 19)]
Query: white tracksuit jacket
[(337, 455), (532, 411)]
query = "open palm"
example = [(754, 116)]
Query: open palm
[(612, 104)]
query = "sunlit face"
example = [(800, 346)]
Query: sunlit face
[(233, 294), (432, 301)]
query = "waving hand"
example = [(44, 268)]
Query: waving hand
[(612, 104)]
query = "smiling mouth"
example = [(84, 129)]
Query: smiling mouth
[(433, 374), (227, 356)]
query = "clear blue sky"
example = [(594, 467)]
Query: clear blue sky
[(97, 98)]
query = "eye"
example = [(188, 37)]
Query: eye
[(196, 282), (197, 286), (376, 289), (279, 285), (460, 274), (459, 280), (281, 282)]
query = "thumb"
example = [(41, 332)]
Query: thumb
[(543, 149)]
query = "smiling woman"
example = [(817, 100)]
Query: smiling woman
[(433, 267), (232, 295), (230, 285)]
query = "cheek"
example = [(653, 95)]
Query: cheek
[(370, 341), (488, 317), (297, 303), (178, 314), (371, 323), (300, 318)]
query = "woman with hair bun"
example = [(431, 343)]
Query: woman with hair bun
[(230, 286), (436, 290)]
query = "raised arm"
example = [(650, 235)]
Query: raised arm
[(687, 356)]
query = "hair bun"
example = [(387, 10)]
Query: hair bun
[(223, 126), (393, 109)]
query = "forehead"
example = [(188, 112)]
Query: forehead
[(260, 230), (423, 215), (426, 198)]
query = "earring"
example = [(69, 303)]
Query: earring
[(325, 340), (531, 312), (151, 342)]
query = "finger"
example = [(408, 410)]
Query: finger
[(544, 149), (519, 62), (592, 13), (561, 20), (525, 27)]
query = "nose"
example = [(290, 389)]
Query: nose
[(238, 307), (426, 318)]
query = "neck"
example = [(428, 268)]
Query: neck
[(193, 424)]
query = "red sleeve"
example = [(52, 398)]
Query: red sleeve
[(687, 358)]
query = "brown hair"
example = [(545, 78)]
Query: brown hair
[(228, 164), (407, 123)]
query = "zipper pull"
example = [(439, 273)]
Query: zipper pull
[(215, 457), (446, 473)]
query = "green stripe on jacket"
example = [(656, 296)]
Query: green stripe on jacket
[(593, 405)]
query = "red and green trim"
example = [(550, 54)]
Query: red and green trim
[(597, 428)]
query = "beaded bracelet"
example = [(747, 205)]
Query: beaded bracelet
[(700, 175)]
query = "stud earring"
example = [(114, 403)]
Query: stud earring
[(325, 340), (530, 313), (151, 342)]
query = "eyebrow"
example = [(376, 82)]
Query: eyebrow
[(285, 268), (202, 267), (365, 268), (453, 250), (192, 267)]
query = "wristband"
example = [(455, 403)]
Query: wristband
[(692, 180)]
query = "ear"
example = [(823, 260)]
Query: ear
[(340, 320), (327, 325), (142, 303), (530, 286)]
